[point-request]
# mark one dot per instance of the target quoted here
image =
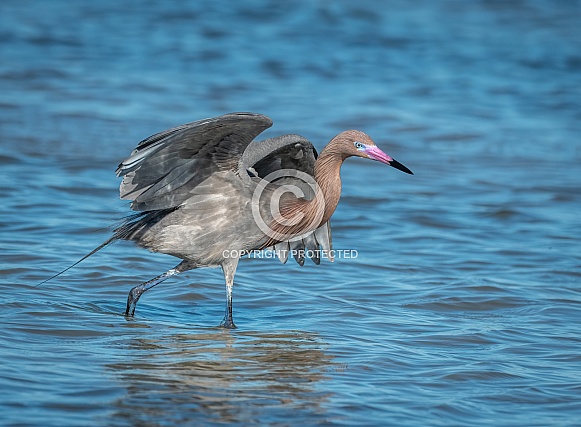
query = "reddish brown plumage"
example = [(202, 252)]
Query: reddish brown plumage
[(319, 210)]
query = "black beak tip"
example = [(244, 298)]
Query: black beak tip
[(399, 166)]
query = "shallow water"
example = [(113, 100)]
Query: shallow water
[(463, 303)]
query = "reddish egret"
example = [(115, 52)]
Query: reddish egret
[(207, 193)]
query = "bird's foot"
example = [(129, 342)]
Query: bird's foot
[(132, 299), (227, 324)]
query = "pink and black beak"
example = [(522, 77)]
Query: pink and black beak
[(373, 152)]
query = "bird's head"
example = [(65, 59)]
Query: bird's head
[(357, 143)]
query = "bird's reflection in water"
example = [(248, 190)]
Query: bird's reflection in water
[(221, 376)]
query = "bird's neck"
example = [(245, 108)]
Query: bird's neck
[(328, 178), (308, 215)]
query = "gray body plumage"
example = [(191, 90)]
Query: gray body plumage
[(195, 184), (193, 187)]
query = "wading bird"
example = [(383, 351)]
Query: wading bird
[(207, 193)]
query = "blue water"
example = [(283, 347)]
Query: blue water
[(463, 306)]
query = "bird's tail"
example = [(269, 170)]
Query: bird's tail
[(130, 227), (98, 248)]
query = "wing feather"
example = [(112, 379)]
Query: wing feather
[(163, 169)]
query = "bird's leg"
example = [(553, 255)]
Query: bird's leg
[(137, 291), (229, 268)]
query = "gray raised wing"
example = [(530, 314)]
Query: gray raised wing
[(163, 168)]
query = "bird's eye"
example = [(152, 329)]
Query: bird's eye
[(359, 145)]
